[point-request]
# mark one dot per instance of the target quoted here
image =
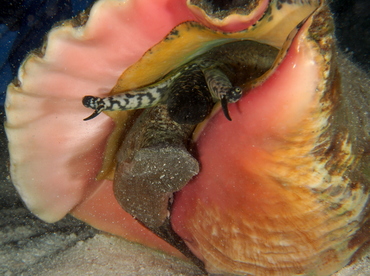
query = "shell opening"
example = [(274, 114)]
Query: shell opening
[(244, 63)]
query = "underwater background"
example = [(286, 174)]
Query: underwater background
[(23, 25)]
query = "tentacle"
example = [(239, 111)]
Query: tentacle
[(224, 104), (221, 88), (136, 99)]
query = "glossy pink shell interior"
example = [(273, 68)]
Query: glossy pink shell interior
[(56, 155)]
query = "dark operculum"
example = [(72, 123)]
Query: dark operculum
[(153, 163)]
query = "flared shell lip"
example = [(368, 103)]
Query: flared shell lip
[(82, 33)]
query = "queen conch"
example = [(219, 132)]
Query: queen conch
[(238, 136)]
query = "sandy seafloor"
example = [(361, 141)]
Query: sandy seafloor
[(29, 246)]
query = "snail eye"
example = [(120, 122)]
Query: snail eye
[(234, 94)]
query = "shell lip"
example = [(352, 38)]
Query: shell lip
[(77, 198)]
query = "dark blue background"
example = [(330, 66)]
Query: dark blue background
[(24, 23)]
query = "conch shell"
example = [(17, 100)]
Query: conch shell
[(282, 189)]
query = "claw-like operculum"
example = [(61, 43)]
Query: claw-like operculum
[(93, 115), (225, 109)]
